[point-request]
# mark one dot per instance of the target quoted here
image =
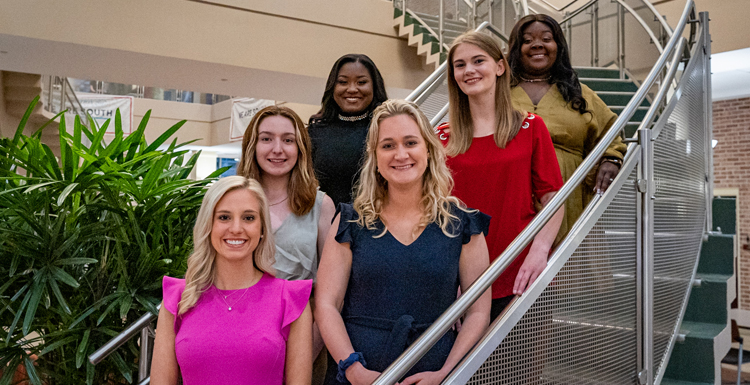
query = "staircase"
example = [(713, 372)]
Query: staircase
[(422, 33), (697, 359), (615, 92), (19, 90)]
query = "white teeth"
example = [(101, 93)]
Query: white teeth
[(402, 167), (472, 81), (276, 160), (235, 241), (352, 99)]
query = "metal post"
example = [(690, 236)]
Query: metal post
[(708, 117), (143, 360), (595, 34), (489, 12), (62, 94), (569, 27), (621, 40), (441, 22), (473, 14), (503, 6), (646, 187)]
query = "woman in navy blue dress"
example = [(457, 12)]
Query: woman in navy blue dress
[(395, 258)]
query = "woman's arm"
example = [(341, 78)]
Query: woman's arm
[(164, 367), (536, 260), (473, 262), (324, 225), (298, 366), (333, 278)]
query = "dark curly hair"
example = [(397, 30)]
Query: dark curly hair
[(561, 73), (329, 110)]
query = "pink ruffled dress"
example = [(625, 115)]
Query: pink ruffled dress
[(245, 345)]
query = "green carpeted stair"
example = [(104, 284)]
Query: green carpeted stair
[(697, 359)]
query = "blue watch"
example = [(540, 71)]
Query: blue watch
[(345, 364)]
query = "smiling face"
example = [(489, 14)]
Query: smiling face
[(276, 151), (401, 151), (474, 70), (237, 225), (353, 90), (538, 49)]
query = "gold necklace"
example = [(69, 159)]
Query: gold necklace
[(535, 80)]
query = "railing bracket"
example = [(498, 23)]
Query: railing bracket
[(642, 377), (641, 185)]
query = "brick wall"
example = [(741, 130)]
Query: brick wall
[(732, 169)]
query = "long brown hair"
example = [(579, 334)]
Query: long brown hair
[(303, 186), (508, 119)]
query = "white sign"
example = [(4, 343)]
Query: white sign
[(103, 107), (243, 111)]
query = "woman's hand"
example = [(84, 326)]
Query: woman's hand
[(359, 375), (424, 378), (607, 173), (530, 269)]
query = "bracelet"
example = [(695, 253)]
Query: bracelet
[(345, 364), (616, 161)]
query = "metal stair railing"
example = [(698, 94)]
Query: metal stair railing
[(422, 345), (398, 368)]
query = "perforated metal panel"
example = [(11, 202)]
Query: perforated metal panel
[(679, 205), (582, 328), (436, 101)]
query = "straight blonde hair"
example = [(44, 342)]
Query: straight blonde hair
[(303, 186), (201, 270), (437, 182), (508, 120)]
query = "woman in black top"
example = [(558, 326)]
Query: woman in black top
[(338, 131)]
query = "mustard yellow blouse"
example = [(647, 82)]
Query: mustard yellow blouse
[(574, 136)]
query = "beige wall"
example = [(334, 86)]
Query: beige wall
[(728, 21), (278, 50)]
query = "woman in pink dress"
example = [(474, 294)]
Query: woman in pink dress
[(230, 321)]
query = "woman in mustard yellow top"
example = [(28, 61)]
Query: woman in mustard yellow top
[(545, 83)]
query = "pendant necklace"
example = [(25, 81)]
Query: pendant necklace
[(224, 297)]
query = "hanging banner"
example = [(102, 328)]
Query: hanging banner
[(243, 111), (103, 107)]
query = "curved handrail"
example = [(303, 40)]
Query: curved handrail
[(420, 347), (643, 24)]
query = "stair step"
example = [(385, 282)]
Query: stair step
[(693, 359), (21, 79), (609, 84), (638, 116), (619, 98), (21, 93), (435, 20), (717, 255), (725, 214), (708, 302), (669, 381), (597, 72)]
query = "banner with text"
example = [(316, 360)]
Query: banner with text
[(103, 107), (243, 111)]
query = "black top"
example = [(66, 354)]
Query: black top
[(396, 291), (338, 149)]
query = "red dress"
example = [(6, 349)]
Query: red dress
[(502, 182)]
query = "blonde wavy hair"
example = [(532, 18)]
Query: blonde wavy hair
[(437, 182), (303, 186), (508, 119), (201, 270)]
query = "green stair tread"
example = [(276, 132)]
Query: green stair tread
[(701, 330), (717, 255), (725, 214), (591, 72), (715, 278), (669, 381)]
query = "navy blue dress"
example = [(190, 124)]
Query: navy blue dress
[(396, 291)]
